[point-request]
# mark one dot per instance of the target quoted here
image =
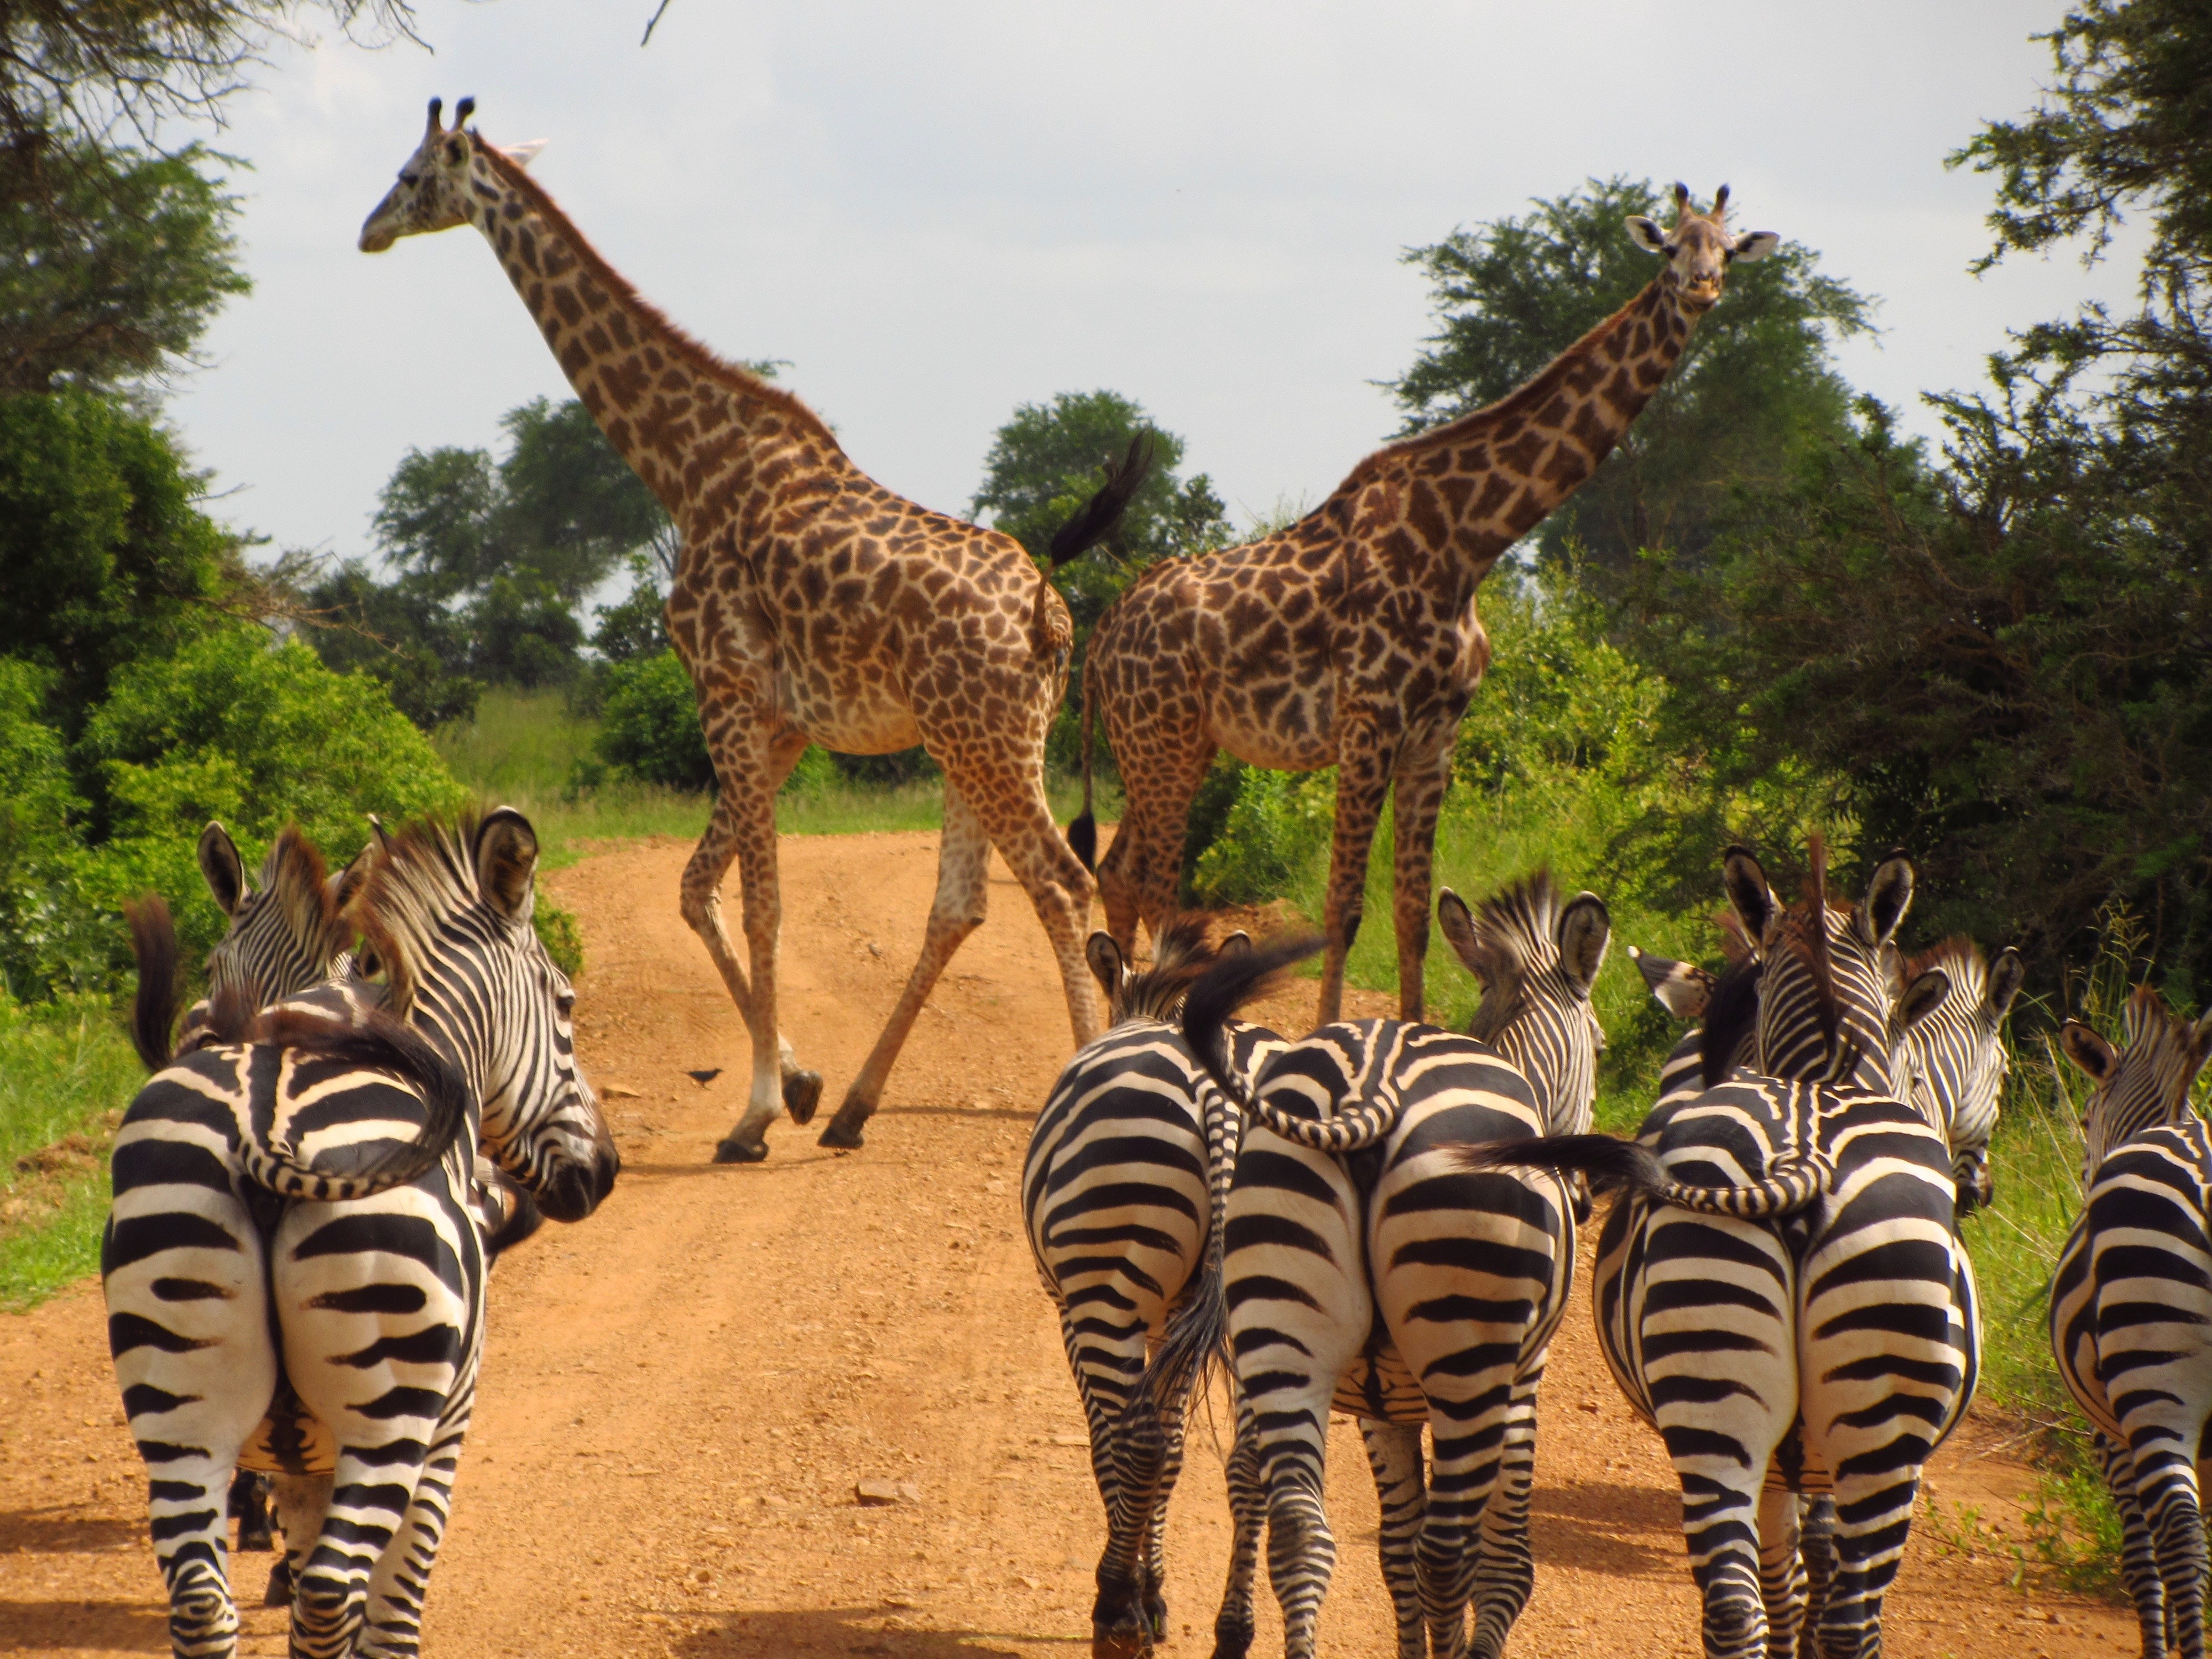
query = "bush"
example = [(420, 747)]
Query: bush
[(650, 724), (558, 931)]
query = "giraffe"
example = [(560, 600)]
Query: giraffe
[(810, 604), (1351, 638)]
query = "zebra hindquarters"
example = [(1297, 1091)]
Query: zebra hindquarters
[(1295, 1276), (1884, 1359), (1472, 1271), (2151, 1268), (182, 1270), (380, 1305), (1708, 1315)]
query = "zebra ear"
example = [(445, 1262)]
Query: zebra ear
[(1236, 945), (346, 885), (2095, 1058), (1585, 930), (2006, 973), (222, 867), (1106, 965), (1458, 925), (1889, 895), (506, 863), (302, 887), (1749, 893), (1921, 998)]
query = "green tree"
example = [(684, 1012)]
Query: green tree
[(117, 276), (435, 518), (1755, 385), (105, 555), (399, 634), (570, 510)]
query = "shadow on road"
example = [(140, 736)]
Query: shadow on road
[(848, 1631)]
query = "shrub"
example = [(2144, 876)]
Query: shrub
[(558, 931), (650, 724)]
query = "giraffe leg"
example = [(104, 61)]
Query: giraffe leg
[(1416, 796), (727, 831), (1363, 778), (1059, 889), (963, 855), (1141, 876)]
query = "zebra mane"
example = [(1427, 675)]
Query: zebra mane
[(1962, 962), (1801, 930), (423, 876), (1731, 1012), (2172, 1046), (1180, 956), (296, 878), (1515, 936)]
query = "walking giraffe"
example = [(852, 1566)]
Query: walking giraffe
[(810, 604), (1350, 639)]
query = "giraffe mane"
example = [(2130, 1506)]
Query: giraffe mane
[(692, 350)]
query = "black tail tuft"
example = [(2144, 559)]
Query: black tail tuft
[(521, 1217), (153, 1010), (1606, 1162), (1101, 516), (1083, 840), (1233, 982)]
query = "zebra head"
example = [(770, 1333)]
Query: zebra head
[(2143, 1085), (1829, 1007), (446, 910), (285, 935), (1180, 956), (1537, 963), (1958, 1057)]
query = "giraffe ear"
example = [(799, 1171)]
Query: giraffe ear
[(524, 154), (1756, 244), (1646, 234)]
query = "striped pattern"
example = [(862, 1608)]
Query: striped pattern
[(376, 1296), (1956, 1057), (1365, 1270), (1117, 1201), (2132, 1306)]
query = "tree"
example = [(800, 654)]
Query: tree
[(1044, 463), (1754, 387), (399, 635)]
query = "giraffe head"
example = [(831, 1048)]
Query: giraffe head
[(437, 182), (1699, 249)]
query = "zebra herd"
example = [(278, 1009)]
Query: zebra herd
[(1379, 1219)]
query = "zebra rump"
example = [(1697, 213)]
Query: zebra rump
[(1613, 1165)]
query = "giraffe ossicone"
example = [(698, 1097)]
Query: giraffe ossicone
[(810, 604), (1350, 639)]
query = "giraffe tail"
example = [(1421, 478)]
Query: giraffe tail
[(1083, 833), (1101, 516)]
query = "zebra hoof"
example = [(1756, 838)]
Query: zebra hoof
[(731, 1149), (1231, 1640), (802, 1093), (1119, 1644), (279, 1593)]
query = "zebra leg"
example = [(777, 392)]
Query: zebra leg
[(1781, 1570), (1394, 1452), (249, 1502), (1233, 1626), (2138, 1554), (1156, 1535), (393, 1625), (2173, 1513), (1817, 1547), (1713, 1304), (188, 1325), (1505, 1565), (301, 1501), (1104, 1335)]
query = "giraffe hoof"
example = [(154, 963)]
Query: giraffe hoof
[(838, 1132), (802, 1093), (731, 1149)]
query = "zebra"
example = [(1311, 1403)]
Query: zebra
[(2131, 1304), (297, 1212), (1360, 1272), (1823, 1340), (1120, 1216)]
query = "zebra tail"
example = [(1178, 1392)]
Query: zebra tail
[(1083, 833), (1796, 1182), (1196, 1339), (153, 1009), (384, 1043), (1234, 980)]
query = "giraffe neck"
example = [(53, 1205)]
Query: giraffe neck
[(1501, 469), (686, 422)]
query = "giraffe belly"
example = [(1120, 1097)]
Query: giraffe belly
[(867, 721), (1298, 738)]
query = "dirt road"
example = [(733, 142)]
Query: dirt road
[(680, 1394)]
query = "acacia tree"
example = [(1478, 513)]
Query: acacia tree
[(1755, 386)]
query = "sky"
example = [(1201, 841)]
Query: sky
[(935, 213)]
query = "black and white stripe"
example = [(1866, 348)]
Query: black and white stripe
[(1115, 1198), (1856, 1315), (1364, 1270), (2131, 1305), (293, 1263)]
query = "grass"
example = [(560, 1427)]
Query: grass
[(66, 1068)]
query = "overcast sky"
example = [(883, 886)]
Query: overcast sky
[(936, 212)]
